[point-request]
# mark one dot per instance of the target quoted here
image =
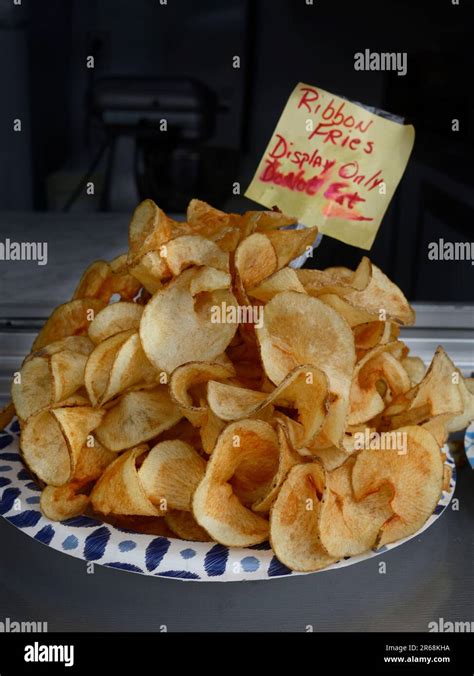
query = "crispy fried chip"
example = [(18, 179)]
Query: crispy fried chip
[(185, 526), (119, 490), (113, 319), (52, 441), (239, 473), (377, 376), (416, 479), (298, 329), (63, 502), (171, 473), (188, 250), (305, 389), (69, 319), (138, 416), (348, 527), (294, 519), (188, 378), (177, 327)]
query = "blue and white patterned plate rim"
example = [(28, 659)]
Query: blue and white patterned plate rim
[(93, 541), (469, 444)]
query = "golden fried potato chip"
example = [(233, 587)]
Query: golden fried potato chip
[(176, 327), (119, 489), (113, 319), (92, 280), (288, 457), (138, 416), (151, 270), (188, 250), (52, 441), (239, 473), (298, 329), (305, 389), (294, 519), (437, 394), (63, 502), (171, 473), (69, 319), (266, 220), (206, 220), (255, 259), (289, 244), (347, 526), (338, 281), (186, 386), (185, 526), (377, 376), (382, 297), (415, 367), (285, 279), (415, 476), (149, 229)]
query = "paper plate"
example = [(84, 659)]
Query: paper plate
[(91, 540), (469, 444)]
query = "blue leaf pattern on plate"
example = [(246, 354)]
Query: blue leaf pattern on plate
[(277, 568), (183, 574), (45, 535), (8, 498), (155, 552), (80, 522), (10, 456), (4, 481), (96, 543), (124, 566), (216, 560), (25, 519)]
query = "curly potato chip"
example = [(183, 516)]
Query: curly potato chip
[(415, 476), (186, 386), (188, 250), (63, 502), (348, 527), (113, 319), (285, 279), (305, 389), (69, 319), (171, 473), (52, 441), (255, 259), (378, 375), (176, 327), (294, 519), (119, 489), (323, 339), (185, 526), (240, 472), (206, 220), (149, 229), (137, 416), (338, 281)]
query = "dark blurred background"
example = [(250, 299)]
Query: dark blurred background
[(175, 61)]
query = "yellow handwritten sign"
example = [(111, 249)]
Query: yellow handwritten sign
[(333, 164)]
